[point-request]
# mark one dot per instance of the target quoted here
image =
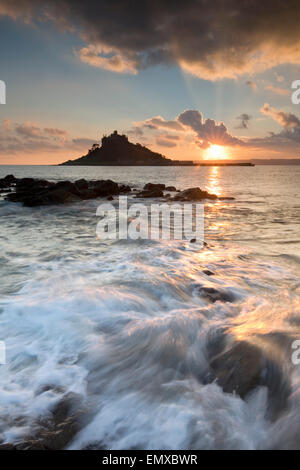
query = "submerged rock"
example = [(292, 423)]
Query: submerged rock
[(214, 295), (245, 366), (56, 433), (238, 369), (208, 272)]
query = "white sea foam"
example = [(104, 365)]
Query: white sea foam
[(125, 326)]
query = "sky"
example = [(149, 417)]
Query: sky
[(192, 80)]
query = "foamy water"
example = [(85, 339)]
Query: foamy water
[(124, 325)]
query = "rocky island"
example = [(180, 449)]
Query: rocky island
[(116, 150)]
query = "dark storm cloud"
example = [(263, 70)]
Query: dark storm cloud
[(244, 119), (211, 39)]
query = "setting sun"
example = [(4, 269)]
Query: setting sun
[(215, 152)]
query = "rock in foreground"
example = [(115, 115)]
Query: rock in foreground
[(38, 192), (34, 192), (194, 194)]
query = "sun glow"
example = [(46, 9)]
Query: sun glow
[(215, 152)]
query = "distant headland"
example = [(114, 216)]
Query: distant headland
[(116, 150)]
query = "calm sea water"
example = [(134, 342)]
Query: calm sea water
[(121, 323)]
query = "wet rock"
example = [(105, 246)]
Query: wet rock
[(105, 188), (66, 186), (238, 369), (7, 447), (81, 184), (9, 179), (61, 436), (124, 188), (56, 434), (194, 194), (193, 240), (214, 295), (88, 194), (30, 445), (170, 188), (66, 407), (244, 367), (226, 198), (57, 196), (151, 193), (5, 191), (153, 187), (208, 272)]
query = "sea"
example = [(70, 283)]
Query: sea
[(125, 325)]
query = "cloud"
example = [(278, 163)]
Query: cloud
[(277, 90), (157, 122), (29, 130), (252, 85), (244, 119), (288, 139), (210, 39), (95, 56), (7, 124), (208, 131), (55, 132), (279, 78), (287, 120), (165, 143), (27, 138)]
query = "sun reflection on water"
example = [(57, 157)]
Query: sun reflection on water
[(214, 184)]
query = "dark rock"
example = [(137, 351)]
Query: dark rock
[(7, 447), (170, 188), (81, 184), (66, 186), (153, 186), (110, 198), (87, 194), (66, 407), (194, 194), (56, 434), (152, 193), (25, 183), (5, 191), (10, 179), (105, 188), (239, 369), (57, 196), (61, 436), (245, 366), (124, 188), (193, 240), (208, 272), (214, 295), (226, 198), (31, 445)]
